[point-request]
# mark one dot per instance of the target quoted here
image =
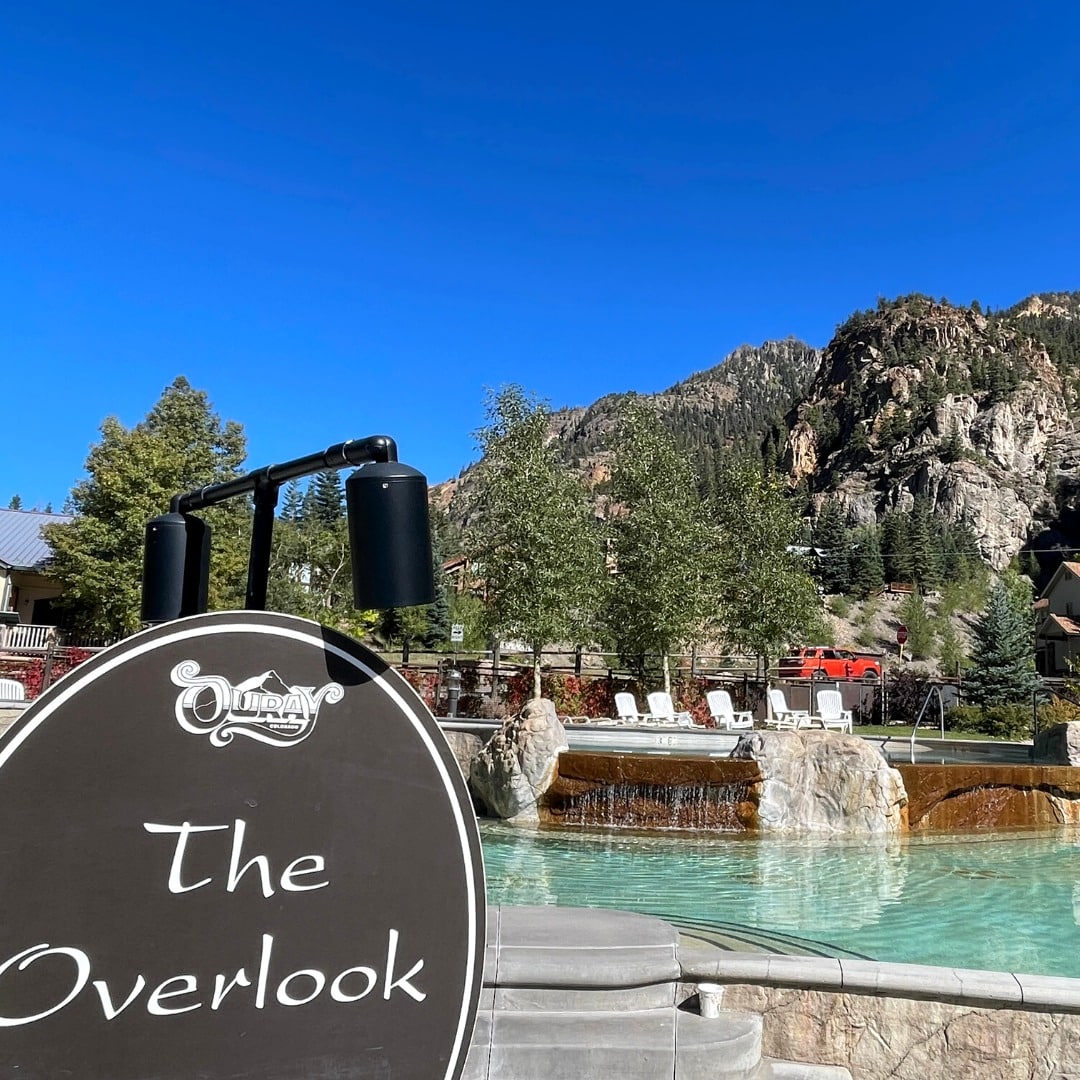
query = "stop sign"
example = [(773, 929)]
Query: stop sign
[(901, 634)]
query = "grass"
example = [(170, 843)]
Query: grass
[(926, 731)]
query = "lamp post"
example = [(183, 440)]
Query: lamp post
[(389, 533), (453, 690)]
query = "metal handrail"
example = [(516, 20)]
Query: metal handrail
[(918, 720)]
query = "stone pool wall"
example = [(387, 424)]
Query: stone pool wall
[(904, 1038), (963, 798)]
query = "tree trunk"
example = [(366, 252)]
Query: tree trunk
[(667, 675), (536, 673)]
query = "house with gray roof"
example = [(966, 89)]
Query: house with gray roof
[(25, 585)]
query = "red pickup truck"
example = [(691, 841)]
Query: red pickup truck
[(825, 662)]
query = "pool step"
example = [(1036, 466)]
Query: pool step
[(571, 994)]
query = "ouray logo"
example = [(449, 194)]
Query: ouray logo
[(262, 707)]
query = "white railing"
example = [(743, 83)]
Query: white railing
[(27, 637)]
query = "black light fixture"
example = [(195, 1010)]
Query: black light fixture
[(389, 533), (389, 536)]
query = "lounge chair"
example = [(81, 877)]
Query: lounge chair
[(627, 710), (663, 708), (723, 712), (831, 713), (12, 690), (783, 718)]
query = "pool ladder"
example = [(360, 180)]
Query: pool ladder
[(933, 691)]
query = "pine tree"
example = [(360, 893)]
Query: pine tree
[(328, 496), (15, 503), (868, 571), (832, 535), (1002, 657), (292, 502)]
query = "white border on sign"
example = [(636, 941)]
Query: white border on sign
[(9, 747)]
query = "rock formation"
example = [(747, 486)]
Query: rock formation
[(1058, 745), (519, 762), (822, 781)]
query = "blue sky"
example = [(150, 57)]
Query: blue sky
[(349, 219)]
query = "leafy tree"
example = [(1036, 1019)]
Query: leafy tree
[(1002, 656), (663, 546), (131, 476), (767, 599), (535, 536)]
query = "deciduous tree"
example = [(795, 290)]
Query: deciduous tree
[(535, 536)]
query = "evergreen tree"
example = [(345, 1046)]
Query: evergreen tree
[(328, 496), (292, 502), (925, 539), (15, 503), (832, 535), (896, 546), (1002, 657), (868, 571), (132, 475)]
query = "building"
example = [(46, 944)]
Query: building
[(1057, 622), (25, 586)]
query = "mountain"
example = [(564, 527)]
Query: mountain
[(733, 402), (973, 412), (976, 411)]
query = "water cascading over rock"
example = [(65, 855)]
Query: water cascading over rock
[(821, 781)]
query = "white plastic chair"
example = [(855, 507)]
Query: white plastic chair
[(783, 718), (12, 690), (831, 713), (627, 710), (723, 712), (663, 708)]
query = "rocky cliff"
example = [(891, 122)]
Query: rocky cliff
[(922, 398)]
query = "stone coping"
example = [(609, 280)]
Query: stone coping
[(963, 986)]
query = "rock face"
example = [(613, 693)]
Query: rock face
[(519, 762), (921, 399), (889, 1038), (1059, 745), (465, 747), (822, 781)]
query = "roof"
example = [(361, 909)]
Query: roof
[(1063, 623), (1066, 566), (21, 544)]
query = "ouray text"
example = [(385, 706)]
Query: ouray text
[(259, 984)]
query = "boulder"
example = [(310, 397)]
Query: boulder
[(519, 762), (823, 781), (1058, 745), (465, 748)]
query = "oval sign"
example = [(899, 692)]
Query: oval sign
[(236, 846)]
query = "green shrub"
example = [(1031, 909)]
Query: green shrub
[(865, 637), (997, 721), (840, 605)]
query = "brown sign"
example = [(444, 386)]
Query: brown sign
[(236, 846)]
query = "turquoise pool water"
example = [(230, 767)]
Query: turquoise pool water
[(1002, 902)]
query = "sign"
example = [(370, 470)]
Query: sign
[(901, 634), (236, 845), (457, 632)]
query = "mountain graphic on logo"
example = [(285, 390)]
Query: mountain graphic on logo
[(269, 682)]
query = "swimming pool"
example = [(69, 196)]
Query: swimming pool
[(1006, 902)]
